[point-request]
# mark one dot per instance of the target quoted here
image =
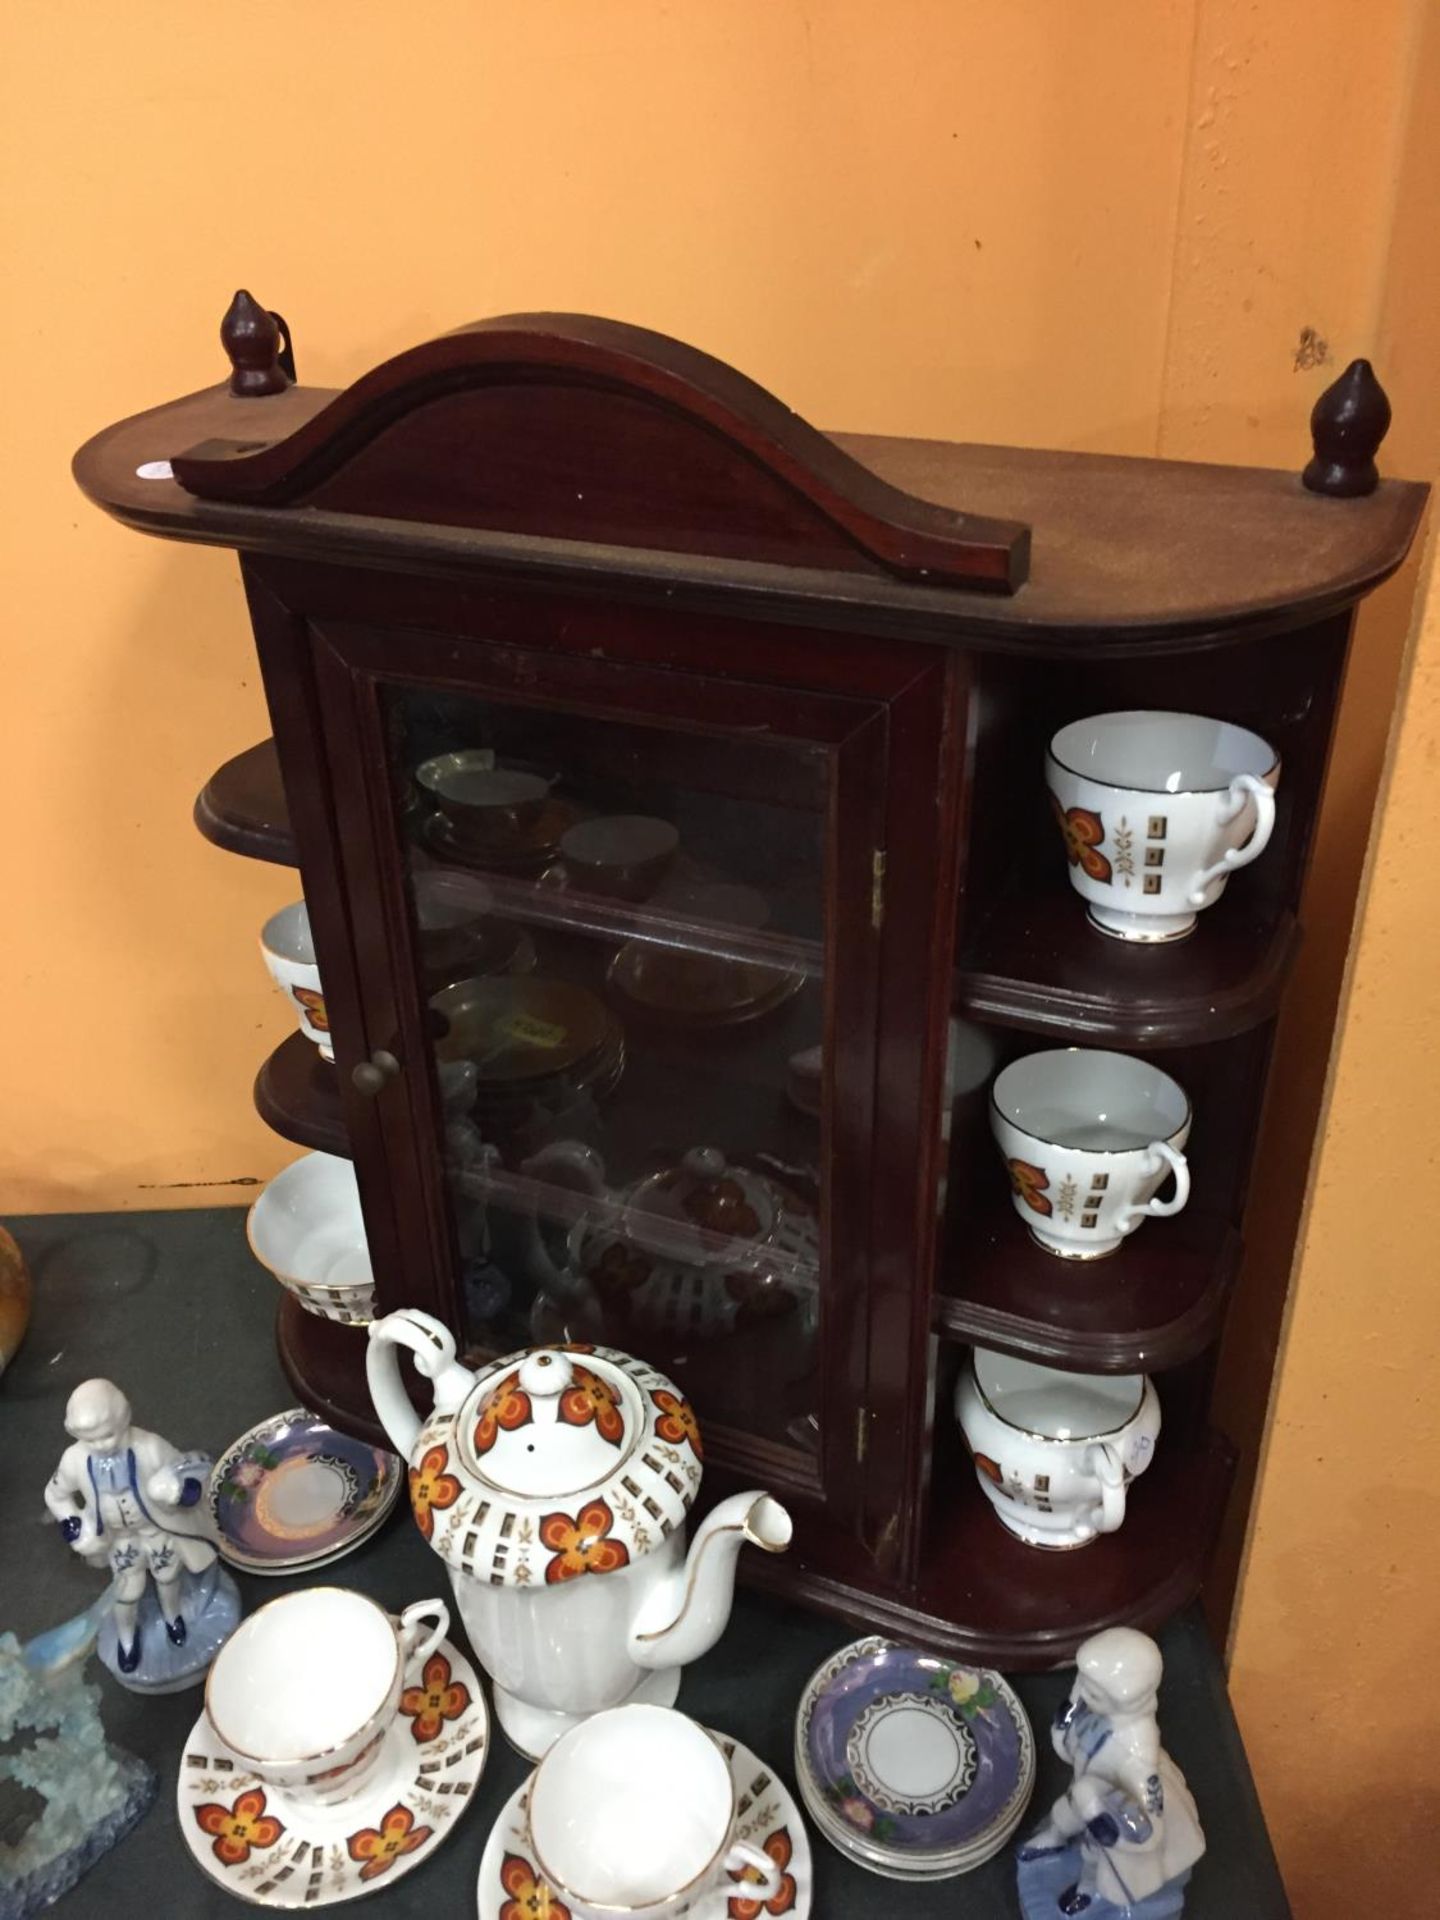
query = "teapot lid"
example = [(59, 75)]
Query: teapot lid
[(560, 1461), (703, 1210)]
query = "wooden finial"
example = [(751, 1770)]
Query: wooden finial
[(1349, 421), (257, 347)]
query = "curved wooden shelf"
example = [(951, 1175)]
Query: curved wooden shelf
[(325, 1364), (1139, 554), (297, 1095), (1022, 1607), (572, 910), (1153, 1304), (242, 807), (1036, 964), (986, 1598)]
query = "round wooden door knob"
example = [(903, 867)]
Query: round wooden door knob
[(372, 1076)]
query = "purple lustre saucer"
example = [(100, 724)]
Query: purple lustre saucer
[(912, 1764), (295, 1493)]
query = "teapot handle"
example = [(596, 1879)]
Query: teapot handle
[(433, 1346)]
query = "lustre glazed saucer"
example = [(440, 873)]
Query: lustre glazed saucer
[(292, 1493), (257, 1843), (511, 1887), (916, 1767), (676, 987)]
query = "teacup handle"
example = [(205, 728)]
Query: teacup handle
[(1108, 1470), (772, 1877), (1245, 786), (1131, 1217), (418, 1646)]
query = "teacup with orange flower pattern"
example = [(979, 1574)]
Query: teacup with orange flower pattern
[(289, 950), (305, 1690), (1055, 1452), (1156, 811), (1088, 1138), (634, 1812)]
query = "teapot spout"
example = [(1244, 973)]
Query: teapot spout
[(688, 1615)]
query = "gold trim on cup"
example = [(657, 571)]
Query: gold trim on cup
[(306, 1759), (673, 1893), (1066, 1146), (294, 1280), (1055, 1439), (1161, 713)]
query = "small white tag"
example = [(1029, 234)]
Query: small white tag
[(154, 470)]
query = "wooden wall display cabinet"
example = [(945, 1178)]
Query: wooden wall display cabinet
[(583, 554)]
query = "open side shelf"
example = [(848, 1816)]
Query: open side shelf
[(1033, 963), (1037, 964), (1150, 1305), (297, 1095), (985, 1597), (242, 807), (1026, 1607)]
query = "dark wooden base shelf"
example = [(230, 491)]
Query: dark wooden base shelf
[(1036, 963), (298, 1095), (1157, 1302), (242, 807), (325, 1364), (983, 1596)]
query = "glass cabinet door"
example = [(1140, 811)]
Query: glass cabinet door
[(638, 960)]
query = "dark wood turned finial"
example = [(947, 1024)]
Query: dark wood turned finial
[(1348, 422), (257, 346)]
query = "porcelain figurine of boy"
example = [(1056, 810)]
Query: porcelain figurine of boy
[(1122, 1838), (127, 1500)]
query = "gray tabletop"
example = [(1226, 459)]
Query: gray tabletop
[(172, 1307)]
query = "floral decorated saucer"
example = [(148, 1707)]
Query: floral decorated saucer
[(511, 1887), (913, 1766), (293, 1493), (252, 1839)]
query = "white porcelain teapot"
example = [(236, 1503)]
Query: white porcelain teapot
[(555, 1485)]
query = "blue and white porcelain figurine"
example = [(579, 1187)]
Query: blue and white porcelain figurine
[(1123, 1837), (129, 1502)]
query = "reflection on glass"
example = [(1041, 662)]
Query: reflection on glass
[(621, 936)]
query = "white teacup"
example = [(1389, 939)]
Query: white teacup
[(307, 1227), (1157, 811), (633, 1812), (1087, 1138), (289, 953), (1054, 1452), (305, 1690)]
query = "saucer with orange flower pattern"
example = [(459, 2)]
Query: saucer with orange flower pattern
[(511, 1887), (259, 1844)]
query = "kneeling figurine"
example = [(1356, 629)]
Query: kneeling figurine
[(1122, 1838), (127, 1500)]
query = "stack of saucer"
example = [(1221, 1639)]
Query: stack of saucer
[(294, 1494), (911, 1765), (539, 1047)]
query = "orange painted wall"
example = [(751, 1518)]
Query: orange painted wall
[(1101, 226), (1333, 1653), (1333, 1668), (920, 218)]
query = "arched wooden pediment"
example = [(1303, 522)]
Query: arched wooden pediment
[(567, 427)]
